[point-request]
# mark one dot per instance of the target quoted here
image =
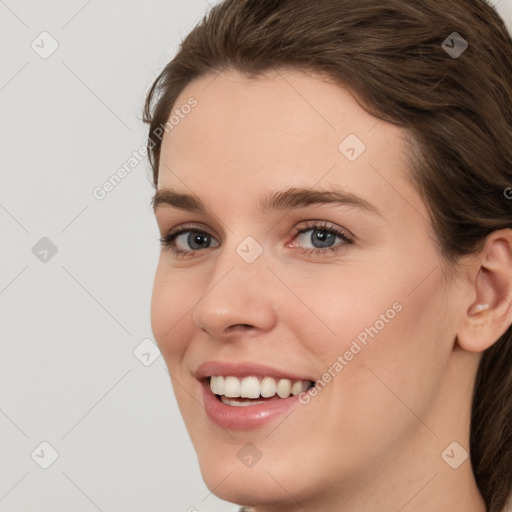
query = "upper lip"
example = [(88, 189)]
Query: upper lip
[(244, 369)]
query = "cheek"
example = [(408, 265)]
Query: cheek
[(339, 307), (397, 368), (376, 322), (405, 343), (170, 304)]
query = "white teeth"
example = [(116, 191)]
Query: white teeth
[(231, 387), (250, 387), (253, 387), (234, 403), (284, 387), (268, 387), (217, 385), (299, 386)]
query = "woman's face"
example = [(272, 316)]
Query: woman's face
[(355, 301)]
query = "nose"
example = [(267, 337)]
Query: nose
[(236, 299)]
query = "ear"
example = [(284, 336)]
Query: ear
[(490, 314)]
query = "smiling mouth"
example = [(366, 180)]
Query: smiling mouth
[(253, 390)]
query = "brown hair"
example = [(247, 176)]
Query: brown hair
[(457, 109)]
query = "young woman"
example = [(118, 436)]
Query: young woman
[(333, 297)]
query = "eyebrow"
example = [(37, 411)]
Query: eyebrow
[(290, 199)]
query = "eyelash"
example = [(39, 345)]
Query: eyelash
[(169, 240)]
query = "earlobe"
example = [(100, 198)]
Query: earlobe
[(490, 314)]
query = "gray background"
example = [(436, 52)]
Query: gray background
[(73, 371)]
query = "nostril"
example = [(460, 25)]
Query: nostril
[(242, 327)]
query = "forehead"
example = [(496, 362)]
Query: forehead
[(283, 129), (251, 112)]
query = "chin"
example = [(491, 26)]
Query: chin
[(243, 486), (276, 480)]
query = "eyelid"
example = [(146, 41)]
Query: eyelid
[(187, 225)]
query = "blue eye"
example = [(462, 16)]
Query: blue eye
[(322, 237), (196, 239)]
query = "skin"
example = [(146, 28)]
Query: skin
[(372, 438)]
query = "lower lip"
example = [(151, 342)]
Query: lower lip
[(244, 418)]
